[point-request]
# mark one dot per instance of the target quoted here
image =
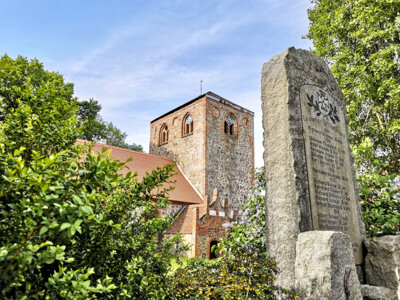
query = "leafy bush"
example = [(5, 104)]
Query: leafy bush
[(248, 233), (245, 271), (379, 192), (71, 226), (239, 276), (380, 203)]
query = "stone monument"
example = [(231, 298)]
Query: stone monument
[(311, 184)]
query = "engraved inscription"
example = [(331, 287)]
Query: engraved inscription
[(329, 171)]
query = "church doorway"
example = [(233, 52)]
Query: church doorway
[(214, 249)]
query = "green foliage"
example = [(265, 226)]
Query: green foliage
[(42, 107), (380, 196), (360, 39), (71, 225), (248, 234), (245, 271), (240, 276), (381, 203), (89, 118), (95, 129)]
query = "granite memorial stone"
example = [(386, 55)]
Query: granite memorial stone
[(309, 169)]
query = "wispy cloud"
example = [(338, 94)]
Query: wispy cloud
[(147, 66)]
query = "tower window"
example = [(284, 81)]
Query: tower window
[(229, 125), (187, 125), (163, 135)]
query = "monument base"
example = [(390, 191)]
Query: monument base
[(325, 267), (370, 292), (382, 264)]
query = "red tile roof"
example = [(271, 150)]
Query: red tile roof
[(183, 193)]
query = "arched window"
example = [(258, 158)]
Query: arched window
[(229, 125), (163, 134), (187, 126)]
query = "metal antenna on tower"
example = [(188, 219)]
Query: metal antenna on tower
[(201, 87)]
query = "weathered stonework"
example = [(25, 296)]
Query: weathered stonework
[(210, 158), (171, 210), (219, 165), (309, 169), (209, 228), (370, 292), (201, 224), (382, 263), (188, 151), (325, 266), (229, 158)]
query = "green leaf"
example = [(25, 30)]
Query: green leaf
[(43, 230), (86, 210), (65, 226)]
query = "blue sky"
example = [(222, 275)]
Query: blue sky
[(140, 59)]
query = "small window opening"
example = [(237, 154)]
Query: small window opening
[(213, 249), (163, 134), (229, 125), (188, 125)]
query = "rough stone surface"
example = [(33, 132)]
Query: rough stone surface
[(323, 258), (219, 165), (185, 150), (370, 292), (311, 183), (210, 158), (382, 263), (171, 210), (229, 158)]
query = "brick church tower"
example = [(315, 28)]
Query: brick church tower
[(212, 140)]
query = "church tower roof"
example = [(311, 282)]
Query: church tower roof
[(210, 95)]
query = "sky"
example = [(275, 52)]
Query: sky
[(141, 59)]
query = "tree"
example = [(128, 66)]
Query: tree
[(116, 137), (72, 227), (45, 104), (95, 129), (90, 120), (360, 40)]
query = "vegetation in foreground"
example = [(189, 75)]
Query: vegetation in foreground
[(245, 271), (72, 227)]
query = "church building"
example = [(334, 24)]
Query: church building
[(211, 140)]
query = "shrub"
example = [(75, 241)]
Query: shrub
[(380, 202), (245, 271), (71, 226), (379, 192)]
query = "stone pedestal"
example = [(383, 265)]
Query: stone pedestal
[(370, 292), (325, 267), (382, 263)]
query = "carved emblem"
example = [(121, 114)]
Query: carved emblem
[(323, 107)]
